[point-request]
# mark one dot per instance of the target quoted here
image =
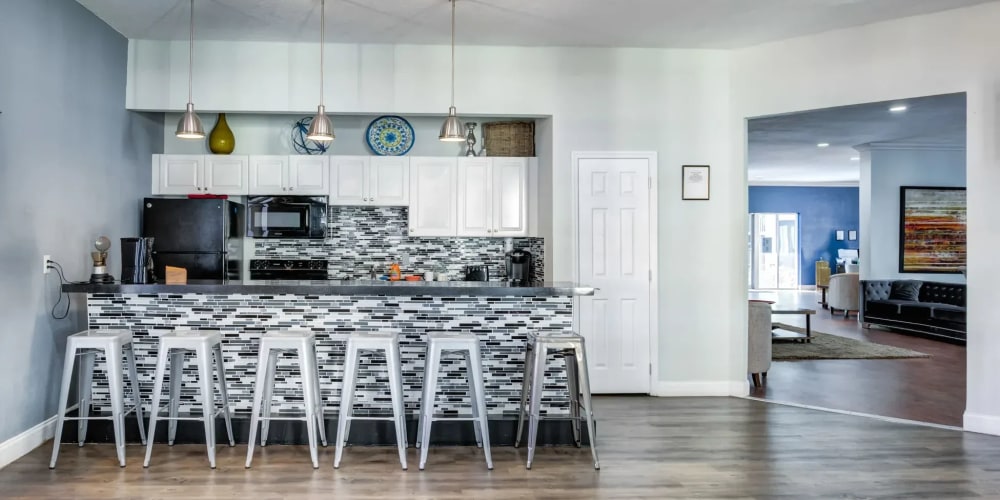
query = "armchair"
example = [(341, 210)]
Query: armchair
[(759, 342), (845, 291)]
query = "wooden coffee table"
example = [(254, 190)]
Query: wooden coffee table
[(782, 335)]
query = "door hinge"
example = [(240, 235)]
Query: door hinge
[(651, 368), (650, 182), (650, 275)]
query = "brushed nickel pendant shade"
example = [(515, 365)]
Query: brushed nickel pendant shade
[(321, 128), (451, 129), (189, 126)]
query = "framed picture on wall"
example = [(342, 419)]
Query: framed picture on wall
[(694, 182), (852, 235), (840, 235), (932, 229)]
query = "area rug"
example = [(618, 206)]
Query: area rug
[(826, 346)]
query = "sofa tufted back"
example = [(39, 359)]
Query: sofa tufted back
[(943, 293), (930, 291)]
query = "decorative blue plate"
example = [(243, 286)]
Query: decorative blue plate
[(389, 136)]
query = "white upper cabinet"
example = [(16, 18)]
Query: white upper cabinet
[(389, 180), (509, 197), (289, 175), (433, 209), (348, 180), (369, 180), (474, 204), (267, 174), (493, 197), (208, 174), (308, 175)]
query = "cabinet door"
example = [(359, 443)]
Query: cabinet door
[(308, 175), (389, 181), (432, 196), (349, 180), (474, 205), (226, 175), (181, 174), (510, 197), (267, 174)]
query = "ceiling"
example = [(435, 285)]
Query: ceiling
[(783, 149), (716, 24)]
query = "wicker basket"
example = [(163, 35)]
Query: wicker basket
[(509, 138)]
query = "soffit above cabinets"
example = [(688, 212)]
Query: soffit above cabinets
[(711, 24)]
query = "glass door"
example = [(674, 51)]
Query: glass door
[(774, 249)]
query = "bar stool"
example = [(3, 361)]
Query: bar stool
[(205, 345), (439, 344), (570, 346), (87, 344), (272, 345), (357, 343)]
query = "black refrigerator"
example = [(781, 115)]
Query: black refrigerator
[(204, 236)]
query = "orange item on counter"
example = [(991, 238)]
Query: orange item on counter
[(413, 277), (394, 273)]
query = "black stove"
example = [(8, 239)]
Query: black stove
[(281, 269)]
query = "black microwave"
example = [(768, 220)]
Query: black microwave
[(286, 217)]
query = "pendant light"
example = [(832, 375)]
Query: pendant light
[(451, 129), (189, 127), (321, 129)]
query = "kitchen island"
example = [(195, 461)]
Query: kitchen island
[(243, 311)]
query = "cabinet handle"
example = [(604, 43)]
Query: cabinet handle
[(291, 188), (284, 189)]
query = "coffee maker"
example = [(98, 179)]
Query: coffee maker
[(519, 267), (137, 260)]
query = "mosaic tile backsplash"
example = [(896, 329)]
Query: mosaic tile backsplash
[(502, 324), (358, 237)]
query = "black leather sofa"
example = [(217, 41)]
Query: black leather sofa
[(924, 307)]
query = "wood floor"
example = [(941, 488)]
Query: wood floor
[(650, 448), (927, 389)]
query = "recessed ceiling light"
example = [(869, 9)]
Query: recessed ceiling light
[(898, 109), (855, 158), (823, 145)]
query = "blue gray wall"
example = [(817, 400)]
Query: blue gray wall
[(822, 211), (73, 165)]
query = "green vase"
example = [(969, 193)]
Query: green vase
[(221, 141)]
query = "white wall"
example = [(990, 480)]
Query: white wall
[(73, 166), (885, 169), (674, 102), (952, 51), (271, 134)]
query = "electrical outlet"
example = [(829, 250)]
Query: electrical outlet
[(45, 264), (406, 260)]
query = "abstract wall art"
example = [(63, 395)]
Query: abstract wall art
[(932, 229)]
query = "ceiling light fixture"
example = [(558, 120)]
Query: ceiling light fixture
[(451, 129), (855, 158), (321, 128), (189, 127), (898, 109), (823, 145)]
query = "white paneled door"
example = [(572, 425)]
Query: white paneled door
[(613, 241)]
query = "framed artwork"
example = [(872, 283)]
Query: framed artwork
[(694, 182), (932, 229), (840, 235), (852, 235)]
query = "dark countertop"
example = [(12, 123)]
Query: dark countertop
[(360, 287)]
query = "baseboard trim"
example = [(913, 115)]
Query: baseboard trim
[(983, 424), (21, 444), (700, 388)]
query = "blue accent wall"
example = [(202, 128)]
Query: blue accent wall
[(822, 211)]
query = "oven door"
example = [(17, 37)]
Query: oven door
[(275, 218)]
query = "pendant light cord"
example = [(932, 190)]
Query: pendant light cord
[(453, 53), (322, 40), (191, 57)]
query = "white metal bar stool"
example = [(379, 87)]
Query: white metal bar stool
[(205, 345), (439, 344), (272, 345), (570, 346), (379, 341), (87, 344)]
